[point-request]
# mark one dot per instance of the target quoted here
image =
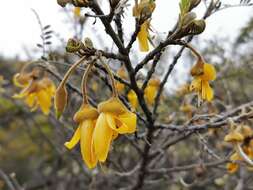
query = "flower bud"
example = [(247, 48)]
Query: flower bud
[(60, 100), (74, 45), (88, 43), (194, 3), (197, 27)]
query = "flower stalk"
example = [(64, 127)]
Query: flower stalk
[(84, 82), (109, 71)]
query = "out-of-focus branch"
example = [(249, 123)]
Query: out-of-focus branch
[(7, 180), (186, 167)]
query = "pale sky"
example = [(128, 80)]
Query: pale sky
[(19, 26)]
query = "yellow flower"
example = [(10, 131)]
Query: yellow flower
[(36, 93), (86, 118), (77, 12), (143, 37), (132, 98), (122, 74), (151, 91), (233, 167), (233, 137), (114, 118), (144, 10), (200, 83)]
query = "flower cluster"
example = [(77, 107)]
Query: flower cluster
[(97, 127), (241, 138)]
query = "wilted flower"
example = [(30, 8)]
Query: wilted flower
[(35, 92)]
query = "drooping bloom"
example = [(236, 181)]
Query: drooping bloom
[(35, 92), (114, 118), (151, 90), (200, 83), (86, 118), (143, 10)]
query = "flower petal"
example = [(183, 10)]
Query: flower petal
[(30, 100), (207, 91), (116, 125), (232, 167), (74, 140), (129, 119), (195, 84), (143, 37), (132, 98), (44, 101), (209, 72), (87, 149), (102, 138), (150, 94)]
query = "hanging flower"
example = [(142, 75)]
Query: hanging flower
[(151, 90), (203, 74), (122, 74), (143, 10), (132, 98), (114, 118), (35, 92), (86, 119)]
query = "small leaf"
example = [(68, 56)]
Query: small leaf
[(48, 37), (48, 43), (46, 27), (48, 32), (39, 45)]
